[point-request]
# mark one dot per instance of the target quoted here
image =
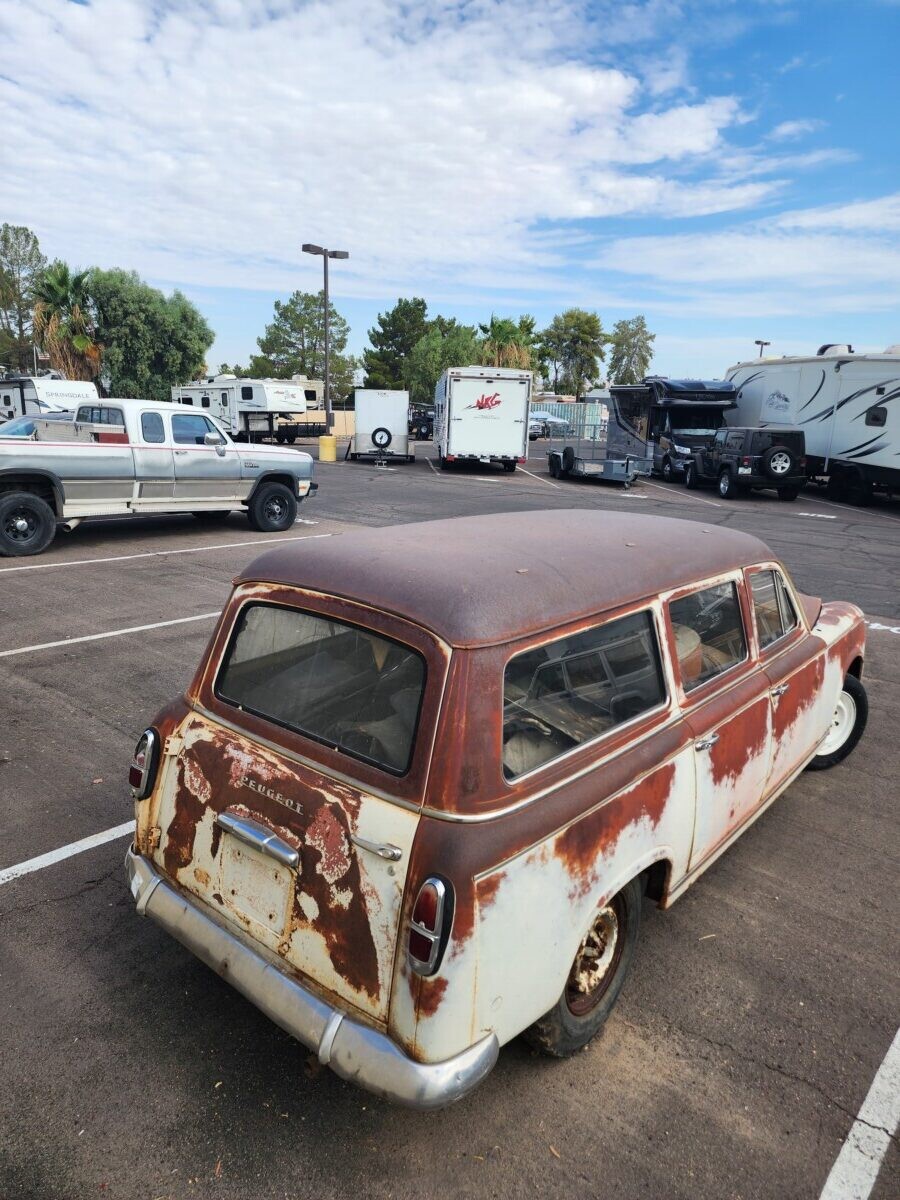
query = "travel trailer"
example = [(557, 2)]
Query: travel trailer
[(31, 395), (254, 408), (481, 414), (845, 403)]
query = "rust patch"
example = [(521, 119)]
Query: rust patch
[(201, 876), (431, 993), (487, 889), (802, 694), (326, 835), (741, 739), (188, 812)]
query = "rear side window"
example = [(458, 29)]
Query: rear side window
[(773, 608), (709, 633), (338, 684), (561, 695), (152, 427)]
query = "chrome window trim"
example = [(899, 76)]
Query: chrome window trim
[(735, 579), (799, 622)]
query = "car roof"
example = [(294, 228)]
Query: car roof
[(491, 579)]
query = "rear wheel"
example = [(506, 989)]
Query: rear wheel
[(509, 466), (847, 725), (788, 493), (27, 524), (691, 478), (595, 978), (272, 509), (728, 489)]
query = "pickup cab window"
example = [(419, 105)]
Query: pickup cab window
[(558, 696), (709, 633), (152, 429), (773, 609), (100, 414), (190, 429), (338, 684)]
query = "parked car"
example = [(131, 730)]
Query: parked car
[(743, 460), (413, 820), (138, 457), (421, 423)]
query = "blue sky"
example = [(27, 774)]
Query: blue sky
[(731, 170)]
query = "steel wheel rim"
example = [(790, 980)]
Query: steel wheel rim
[(724, 485), (780, 463), (842, 723), (20, 526), (597, 960), (274, 509)]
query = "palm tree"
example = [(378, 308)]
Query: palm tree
[(506, 344), (64, 322)]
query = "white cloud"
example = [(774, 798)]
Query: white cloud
[(790, 130), (204, 142), (878, 216)]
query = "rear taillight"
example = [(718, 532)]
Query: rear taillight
[(429, 928), (745, 461), (142, 772)]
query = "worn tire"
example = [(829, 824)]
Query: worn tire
[(553, 466), (273, 508), (728, 488), (691, 477), (568, 460), (217, 517), (562, 1031), (788, 493), (853, 705), (39, 520), (509, 466)]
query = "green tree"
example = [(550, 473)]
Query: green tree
[(571, 349), (632, 350), (392, 339), (150, 341), (507, 343), (445, 344), (21, 265), (294, 343), (64, 322)]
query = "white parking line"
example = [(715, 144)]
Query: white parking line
[(856, 1167), (687, 495), (538, 478), (55, 856), (87, 562), (850, 510), (96, 637)]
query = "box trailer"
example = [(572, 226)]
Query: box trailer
[(382, 425), (254, 408), (31, 395), (481, 415), (846, 404)]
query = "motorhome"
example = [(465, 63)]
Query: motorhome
[(481, 414), (846, 405), (32, 395), (668, 419), (254, 408)]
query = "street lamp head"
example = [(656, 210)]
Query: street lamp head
[(310, 248), (338, 254)]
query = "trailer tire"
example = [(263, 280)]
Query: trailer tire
[(27, 524), (290, 438), (273, 508), (568, 460), (381, 437), (509, 466), (554, 466)]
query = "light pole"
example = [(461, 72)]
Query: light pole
[(309, 248), (762, 345)]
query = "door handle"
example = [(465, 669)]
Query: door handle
[(181, 451), (781, 689), (251, 833), (706, 743), (382, 849)]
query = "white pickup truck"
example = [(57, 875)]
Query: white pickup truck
[(138, 457)]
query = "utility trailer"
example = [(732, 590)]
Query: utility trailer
[(382, 425), (845, 403), (253, 409), (595, 449), (481, 415)]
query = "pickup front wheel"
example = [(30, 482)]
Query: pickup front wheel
[(595, 978), (27, 524), (272, 509)]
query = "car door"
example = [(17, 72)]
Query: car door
[(203, 472), (794, 663), (725, 696), (154, 462)]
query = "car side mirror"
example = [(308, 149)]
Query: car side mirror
[(214, 439)]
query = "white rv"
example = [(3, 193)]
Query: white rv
[(254, 408), (382, 425), (31, 395), (481, 414), (847, 404)]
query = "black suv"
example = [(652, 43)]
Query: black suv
[(739, 460)]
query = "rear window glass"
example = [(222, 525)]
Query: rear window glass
[(341, 685), (571, 691), (709, 633)]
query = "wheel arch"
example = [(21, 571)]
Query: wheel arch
[(44, 484), (275, 476)]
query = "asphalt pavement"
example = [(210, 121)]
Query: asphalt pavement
[(757, 1014)]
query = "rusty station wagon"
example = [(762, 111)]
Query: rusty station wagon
[(424, 776)]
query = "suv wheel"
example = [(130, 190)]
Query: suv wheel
[(728, 489), (778, 463), (27, 524), (691, 478), (273, 509)]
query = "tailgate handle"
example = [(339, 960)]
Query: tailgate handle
[(382, 849), (251, 833)]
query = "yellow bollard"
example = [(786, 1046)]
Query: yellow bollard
[(327, 448)]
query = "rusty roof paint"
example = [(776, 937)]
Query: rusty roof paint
[(484, 580)]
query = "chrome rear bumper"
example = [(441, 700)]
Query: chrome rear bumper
[(352, 1050)]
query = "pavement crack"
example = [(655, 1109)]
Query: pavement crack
[(89, 886)]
